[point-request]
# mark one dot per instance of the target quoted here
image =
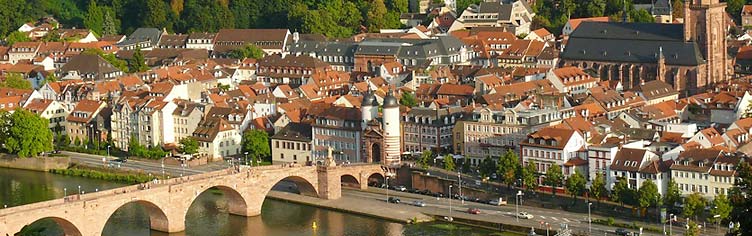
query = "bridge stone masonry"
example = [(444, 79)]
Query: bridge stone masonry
[(167, 201)]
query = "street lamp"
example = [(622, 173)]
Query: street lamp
[(459, 179), (65, 192), (79, 190), (517, 204), (450, 202), (718, 222), (108, 151), (246, 158), (589, 219), (670, 223), (386, 180), (163, 171)]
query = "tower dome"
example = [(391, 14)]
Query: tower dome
[(390, 100)]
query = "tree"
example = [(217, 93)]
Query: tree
[(77, 142), (449, 162), (94, 19), (529, 176), (109, 24), (408, 99), (256, 143), (189, 145), (27, 135), (247, 51), (692, 229), (487, 166), (15, 80), (575, 185), (641, 16), (15, 37), (595, 8), (598, 187), (507, 167), (424, 158), (721, 207), (739, 197), (375, 20), (463, 4), (155, 14), (673, 194), (466, 168), (694, 204), (621, 191), (734, 8), (554, 178), (677, 10), (648, 195), (138, 63)]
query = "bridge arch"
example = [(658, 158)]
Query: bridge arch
[(304, 186), (236, 200), (348, 180), (158, 219), (68, 228), (375, 179)]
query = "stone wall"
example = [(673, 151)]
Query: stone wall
[(436, 184), (37, 164)]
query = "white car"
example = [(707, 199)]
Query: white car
[(525, 215)]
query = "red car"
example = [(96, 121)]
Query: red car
[(473, 211)]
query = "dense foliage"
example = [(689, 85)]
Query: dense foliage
[(24, 133), (334, 18), (256, 144)]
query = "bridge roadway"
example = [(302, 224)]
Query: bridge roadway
[(167, 201)]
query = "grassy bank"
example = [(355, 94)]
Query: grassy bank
[(109, 175)]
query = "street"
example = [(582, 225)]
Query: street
[(145, 166)]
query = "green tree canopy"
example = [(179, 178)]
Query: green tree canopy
[(189, 145), (425, 157), (247, 51), (408, 99), (598, 187), (554, 177), (507, 167), (15, 80), (256, 143), (694, 204), (138, 63), (375, 16), (648, 194), (721, 207), (575, 185), (15, 37), (642, 16), (673, 194), (529, 176), (449, 162), (621, 192), (487, 167), (25, 133), (740, 197)]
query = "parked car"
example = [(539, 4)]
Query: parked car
[(525, 215), (418, 203), (394, 200), (120, 160), (497, 202), (473, 211), (400, 188), (622, 232)]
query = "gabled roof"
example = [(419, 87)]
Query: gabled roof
[(89, 64), (628, 159), (84, 111)]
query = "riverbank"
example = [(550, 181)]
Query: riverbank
[(33, 163), (379, 210), (120, 176)]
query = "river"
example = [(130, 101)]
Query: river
[(208, 214)]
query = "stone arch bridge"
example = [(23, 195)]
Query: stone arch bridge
[(167, 201)]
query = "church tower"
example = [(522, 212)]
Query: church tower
[(392, 130), (704, 23), (369, 107)]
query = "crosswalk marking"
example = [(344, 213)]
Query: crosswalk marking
[(543, 217), (554, 218), (565, 219)]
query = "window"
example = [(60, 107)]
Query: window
[(281, 156)]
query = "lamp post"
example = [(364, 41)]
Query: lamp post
[(459, 179), (517, 204), (589, 219), (79, 190), (246, 158), (450, 201), (108, 151), (65, 192), (386, 181), (163, 171), (670, 223), (718, 222)]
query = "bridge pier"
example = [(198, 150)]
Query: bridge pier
[(329, 183)]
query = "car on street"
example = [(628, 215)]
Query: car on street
[(120, 160), (400, 188), (473, 211), (418, 203), (394, 200), (525, 215), (622, 232), (497, 202)]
